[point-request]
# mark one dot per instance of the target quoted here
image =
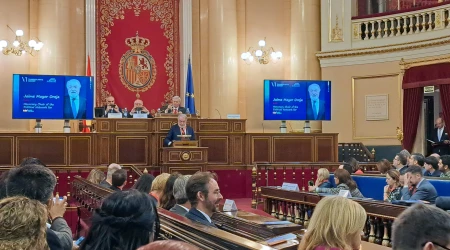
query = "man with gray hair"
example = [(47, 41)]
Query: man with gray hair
[(315, 107), (181, 128), (74, 104), (107, 183), (179, 192), (174, 107)]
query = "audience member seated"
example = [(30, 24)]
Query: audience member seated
[(405, 153), (204, 195), (431, 167), (169, 245), (139, 108), (37, 182), (322, 178), (418, 188), (158, 185), (22, 224), (336, 223), (421, 227), (31, 161), (437, 156), (113, 167), (96, 176), (182, 205), (400, 162), (119, 180), (3, 178), (343, 181), (444, 164), (443, 202), (392, 191), (167, 199), (346, 166), (126, 220), (144, 183), (417, 159), (384, 166), (356, 169)]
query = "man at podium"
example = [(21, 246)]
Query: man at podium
[(179, 129)]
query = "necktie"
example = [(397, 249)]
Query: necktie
[(182, 131), (74, 108), (315, 110), (175, 111)]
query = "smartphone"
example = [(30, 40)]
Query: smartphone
[(54, 199), (310, 183), (78, 242)]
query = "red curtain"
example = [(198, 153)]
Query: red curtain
[(427, 75), (412, 101), (444, 91), (137, 52)]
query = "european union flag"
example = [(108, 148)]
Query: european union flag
[(189, 100)]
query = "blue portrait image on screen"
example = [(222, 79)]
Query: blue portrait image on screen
[(52, 97), (297, 100)]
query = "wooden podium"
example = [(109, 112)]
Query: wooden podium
[(184, 157)]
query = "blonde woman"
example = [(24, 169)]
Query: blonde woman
[(322, 178), (96, 176), (22, 224), (336, 224), (158, 185)]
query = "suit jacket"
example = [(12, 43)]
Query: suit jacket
[(436, 173), (175, 131), (62, 230), (178, 210), (180, 110), (441, 148), (68, 114), (310, 112), (425, 192), (197, 216), (52, 240)]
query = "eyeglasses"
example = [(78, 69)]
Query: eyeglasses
[(434, 243)]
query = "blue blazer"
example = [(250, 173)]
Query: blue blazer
[(197, 216), (175, 131), (425, 192), (326, 184)]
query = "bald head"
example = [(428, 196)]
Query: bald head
[(439, 123)]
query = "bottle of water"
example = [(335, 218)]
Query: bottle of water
[(125, 112), (188, 112)]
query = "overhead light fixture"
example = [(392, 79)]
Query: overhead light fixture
[(263, 55), (19, 47)]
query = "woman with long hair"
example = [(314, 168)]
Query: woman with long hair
[(22, 224), (167, 199), (322, 178), (126, 221), (336, 223), (144, 183), (343, 181), (393, 187)]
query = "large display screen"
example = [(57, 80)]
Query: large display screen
[(52, 97), (297, 100)]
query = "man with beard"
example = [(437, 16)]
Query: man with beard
[(204, 195)]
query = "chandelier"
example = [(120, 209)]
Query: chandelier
[(20, 47), (263, 55)]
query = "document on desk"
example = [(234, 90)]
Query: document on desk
[(279, 222)]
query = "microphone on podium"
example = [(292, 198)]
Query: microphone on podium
[(220, 116), (262, 124)]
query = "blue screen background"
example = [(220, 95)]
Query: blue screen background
[(42, 96), (287, 99)]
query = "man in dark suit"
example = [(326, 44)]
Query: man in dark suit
[(416, 187), (119, 180), (441, 139), (111, 106), (315, 108), (175, 107), (179, 192), (179, 129), (74, 104), (204, 195)]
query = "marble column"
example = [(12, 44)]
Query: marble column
[(305, 43), (223, 56)]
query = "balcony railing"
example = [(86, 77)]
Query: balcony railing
[(402, 24)]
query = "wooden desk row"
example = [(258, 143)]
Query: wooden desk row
[(139, 142), (298, 206)]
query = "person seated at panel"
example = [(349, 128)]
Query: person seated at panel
[(74, 104), (169, 245), (182, 205), (343, 181), (315, 107), (417, 159), (384, 166), (181, 128), (119, 180), (174, 107), (167, 199), (444, 163), (441, 139), (139, 108), (111, 106), (336, 224), (113, 167), (22, 224), (158, 185), (204, 195), (421, 227), (392, 191), (126, 220), (96, 176), (418, 188), (432, 167), (322, 178)]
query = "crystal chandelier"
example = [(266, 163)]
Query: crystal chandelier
[(20, 47), (263, 55)]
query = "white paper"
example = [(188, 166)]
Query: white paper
[(114, 115), (431, 141), (345, 193), (290, 186), (229, 205)]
